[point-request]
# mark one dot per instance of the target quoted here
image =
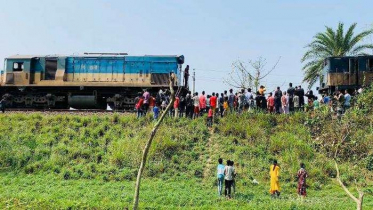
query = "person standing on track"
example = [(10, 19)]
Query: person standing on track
[(146, 97)]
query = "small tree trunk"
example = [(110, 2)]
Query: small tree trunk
[(149, 142), (358, 201)]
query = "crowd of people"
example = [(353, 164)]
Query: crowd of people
[(218, 105), (226, 174)]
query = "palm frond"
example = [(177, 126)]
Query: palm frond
[(359, 37), (356, 50), (348, 36)]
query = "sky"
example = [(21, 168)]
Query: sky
[(210, 34)]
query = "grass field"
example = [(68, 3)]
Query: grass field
[(68, 162), (52, 192)]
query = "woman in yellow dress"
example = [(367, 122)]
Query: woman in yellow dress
[(274, 173)]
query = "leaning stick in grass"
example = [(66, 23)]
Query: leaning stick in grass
[(150, 140)]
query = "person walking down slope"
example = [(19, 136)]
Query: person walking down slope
[(209, 118), (275, 173), (220, 169), (228, 173), (302, 175)]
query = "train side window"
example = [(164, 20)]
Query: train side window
[(370, 64), (18, 66)]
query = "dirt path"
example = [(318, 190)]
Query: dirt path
[(212, 151)]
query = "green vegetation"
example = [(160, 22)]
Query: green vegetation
[(67, 161), (332, 43)]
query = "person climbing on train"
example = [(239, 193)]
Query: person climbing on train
[(274, 173), (186, 76)]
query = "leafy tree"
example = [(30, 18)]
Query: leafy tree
[(332, 43)]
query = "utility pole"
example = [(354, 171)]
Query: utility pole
[(194, 81)]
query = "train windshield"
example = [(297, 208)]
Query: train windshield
[(338, 65)]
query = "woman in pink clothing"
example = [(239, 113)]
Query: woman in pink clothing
[(285, 103)]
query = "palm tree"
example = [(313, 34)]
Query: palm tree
[(332, 43)]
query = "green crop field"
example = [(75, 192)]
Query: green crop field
[(63, 161)]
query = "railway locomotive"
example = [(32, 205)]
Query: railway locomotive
[(89, 81), (346, 73)]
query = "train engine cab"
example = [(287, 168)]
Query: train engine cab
[(346, 73), (89, 81)]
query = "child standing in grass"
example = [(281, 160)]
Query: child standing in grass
[(220, 175), (156, 112)]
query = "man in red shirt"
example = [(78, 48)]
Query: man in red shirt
[(202, 103), (213, 100), (151, 102), (271, 103), (176, 106)]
